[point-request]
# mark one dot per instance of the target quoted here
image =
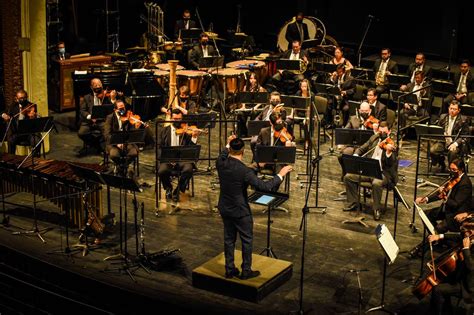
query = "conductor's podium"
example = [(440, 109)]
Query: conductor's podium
[(274, 272)]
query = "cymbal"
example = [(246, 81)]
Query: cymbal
[(115, 54), (212, 34), (136, 48)]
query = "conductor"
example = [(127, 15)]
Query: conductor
[(234, 178)]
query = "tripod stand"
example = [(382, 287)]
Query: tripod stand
[(32, 127)]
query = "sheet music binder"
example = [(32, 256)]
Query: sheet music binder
[(192, 33), (425, 220), (386, 241), (360, 165)]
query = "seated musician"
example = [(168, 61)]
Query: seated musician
[(176, 135), (122, 155), (346, 84), (455, 126), (456, 195), (464, 84), (458, 283), (419, 65), (383, 150), (21, 109), (379, 109), (415, 109), (252, 86), (203, 49), (295, 53), (382, 67), (91, 130), (340, 59), (185, 104)]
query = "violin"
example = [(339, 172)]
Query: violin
[(107, 93), (370, 122), (186, 129), (133, 119), (444, 189), (283, 135), (383, 144)]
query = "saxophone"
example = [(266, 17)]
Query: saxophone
[(380, 78)]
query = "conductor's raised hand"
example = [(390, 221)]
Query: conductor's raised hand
[(285, 170), (230, 138)]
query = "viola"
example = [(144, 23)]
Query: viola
[(370, 122), (133, 119), (447, 187), (283, 135), (383, 144), (186, 129)]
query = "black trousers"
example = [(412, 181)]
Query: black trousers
[(244, 226), (166, 171), (441, 297), (93, 135)]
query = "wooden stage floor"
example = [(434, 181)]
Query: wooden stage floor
[(333, 249)]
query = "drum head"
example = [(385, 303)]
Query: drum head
[(316, 30)]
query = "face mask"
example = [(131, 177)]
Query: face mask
[(62, 51), (177, 124), (364, 115), (274, 103), (383, 135), (453, 174), (186, 18), (121, 112), (204, 43), (183, 99), (278, 126), (97, 90), (23, 101)]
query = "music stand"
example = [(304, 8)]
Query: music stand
[(190, 34), (254, 126), (101, 112), (275, 154), (211, 62), (272, 200), (177, 154), (296, 102), (204, 121), (406, 96), (288, 64), (352, 137), (32, 127), (467, 110), (252, 97), (124, 184), (325, 67), (443, 87), (398, 79), (353, 107), (134, 136), (142, 88), (391, 250), (361, 166)]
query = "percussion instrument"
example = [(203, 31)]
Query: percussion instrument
[(192, 78), (166, 67), (256, 66), (52, 178), (162, 77), (154, 57), (231, 80)]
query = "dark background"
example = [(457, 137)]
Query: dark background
[(404, 26)]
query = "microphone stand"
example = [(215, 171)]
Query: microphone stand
[(451, 48), (359, 50)]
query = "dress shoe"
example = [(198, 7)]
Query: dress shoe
[(168, 193), (376, 214), (248, 274), (415, 252), (350, 208), (176, 194), (233, 273)]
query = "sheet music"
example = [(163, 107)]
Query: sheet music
[(387, 242), (425, 220)]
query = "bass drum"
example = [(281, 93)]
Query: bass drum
[(316, 30)]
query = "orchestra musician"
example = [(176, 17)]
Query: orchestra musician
[(91, 130), (455, 201), (419, 65), (297, 31), (346, 86), (185, 23), (340, 59), (185, 104), (118, 121), (203, 49), (234, 208), (303, 91), (464, 83), (415, 109), (379, 109), (455, 126), (21, 109), (176, 134), (382, 67), (60, 53), (295, 53), (252, 86), (384, 150)]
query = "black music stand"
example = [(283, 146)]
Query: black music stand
[(352, 137), (398, 79), (288, 64), (204, 121), (322, 88), (252, 97), (406, 96), (211, 62), (134, 136), (143, 89), (296, 102), (272, 200), (177, 154), (190, 34), (325, 67), (102, 111), (124, 185), (361, 166), (254, 126), (32, 127)]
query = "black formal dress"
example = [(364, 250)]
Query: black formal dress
[(234, 208)]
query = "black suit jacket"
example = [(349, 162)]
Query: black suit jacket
[(292, 33), (86, 107), (264, 138), (265, 110), (427, 71), (389, 164), (179, 25), (112, 125), (461, 125), (460, 198), (469, 81), (392, 66), (234, 179), (287, 54), (379, 111), (426, 93), (196, 53), (348, 85), (164, 139), (12, 111)]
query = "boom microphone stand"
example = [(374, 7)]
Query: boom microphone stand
[(359, 50)]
